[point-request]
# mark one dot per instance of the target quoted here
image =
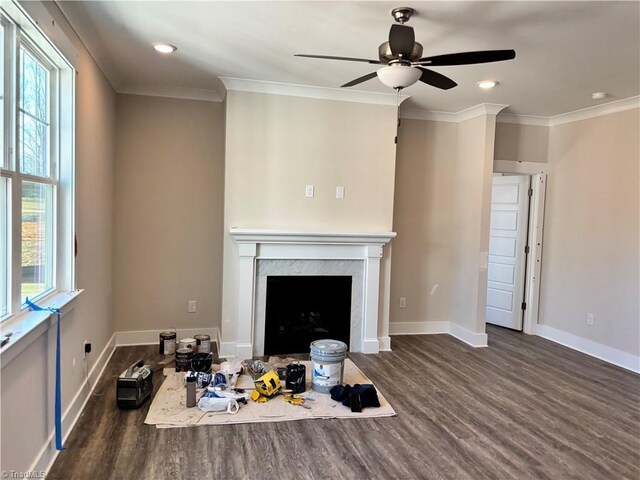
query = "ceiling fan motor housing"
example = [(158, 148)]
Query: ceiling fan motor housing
[(386, 56)]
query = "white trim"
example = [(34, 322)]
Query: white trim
[(534, 258), (523, 119), (172, 92), (291, 236), (480, 110), (227, 349), (259, 244), (384, 343), (526, 168), (589, 347), (567, 117), (29, 325), (467, 336), (437, 328), (597, 111), (48, 454), (151, 337), (418, 328), (457, 117), (309, 91), (410, 113)]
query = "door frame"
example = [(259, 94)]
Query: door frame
[(538, 172)]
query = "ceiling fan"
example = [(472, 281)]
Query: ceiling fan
[(402, 56)]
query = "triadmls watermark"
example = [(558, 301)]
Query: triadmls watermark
[(26, 474)]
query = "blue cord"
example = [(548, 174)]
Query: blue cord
[(58, 399)]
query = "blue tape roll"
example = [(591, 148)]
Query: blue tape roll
[(58, 398)]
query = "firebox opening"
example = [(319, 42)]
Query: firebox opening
[(301, 309)]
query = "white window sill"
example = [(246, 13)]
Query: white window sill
[(28, 325)]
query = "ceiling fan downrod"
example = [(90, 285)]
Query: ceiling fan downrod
[(402, 14)]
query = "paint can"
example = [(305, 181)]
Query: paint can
[(183, 359), (327, 358), (167, 343), (188, 343), (203, 343)]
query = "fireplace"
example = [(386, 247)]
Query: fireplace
[(263, 254), (304, 308)]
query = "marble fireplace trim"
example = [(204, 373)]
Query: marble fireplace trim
[(255, 246), (266, 268)]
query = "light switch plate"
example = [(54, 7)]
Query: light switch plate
[(340, 192)]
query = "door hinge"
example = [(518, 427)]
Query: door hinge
[(530, 193), (526, 249), (524, 305)]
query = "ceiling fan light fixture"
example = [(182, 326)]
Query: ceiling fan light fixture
[(487, 84), (164, 47), (398, 76)]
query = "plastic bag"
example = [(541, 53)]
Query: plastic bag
[(210, 402)]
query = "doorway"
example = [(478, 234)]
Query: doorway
[(537, 172), (508, 250)]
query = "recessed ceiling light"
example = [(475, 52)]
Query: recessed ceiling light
[(487, 84), (165, 47), (599, 95)]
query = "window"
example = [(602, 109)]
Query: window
[(36, 182)]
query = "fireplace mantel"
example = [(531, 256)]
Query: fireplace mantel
[(247, 235), (265, 244)]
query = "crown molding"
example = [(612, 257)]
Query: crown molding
[(172, 92), (420, 114), (597, 111), (491, 108), (461, 116), (480, 110), (523, 119), (308, 91)]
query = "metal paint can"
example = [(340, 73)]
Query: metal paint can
[(167, 343), (203, 343), (183, 359), (188, 343)]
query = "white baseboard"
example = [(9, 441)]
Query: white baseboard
[(418, 328), (370, 345), (385, 343), (48, 453), (152, 337), (434, 328), (227, 349), (467, 336), (608, 354)]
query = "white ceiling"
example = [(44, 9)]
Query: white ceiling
[(565, 50)]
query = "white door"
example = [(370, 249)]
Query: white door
[(507, 257)]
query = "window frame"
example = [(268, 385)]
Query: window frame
[(20, 32)]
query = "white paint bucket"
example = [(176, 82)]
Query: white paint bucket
[(328, 364)]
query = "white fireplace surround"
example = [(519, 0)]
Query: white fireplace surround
[(285, 252)]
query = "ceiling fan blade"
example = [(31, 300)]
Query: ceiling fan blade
[(364, 78), (468, 58), (401, 40), (436, 79), (348, 59)]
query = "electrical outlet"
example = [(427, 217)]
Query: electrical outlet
[(340, 192), (87, 348), (191, 306), (590, 318), (308, 191), (403, 302)]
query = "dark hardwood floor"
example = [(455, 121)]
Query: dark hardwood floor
[(523, 408)]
